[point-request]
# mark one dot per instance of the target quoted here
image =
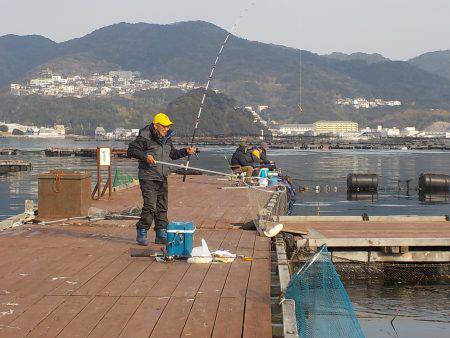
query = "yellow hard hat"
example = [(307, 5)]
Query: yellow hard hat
[(256, 153), (162, 119)]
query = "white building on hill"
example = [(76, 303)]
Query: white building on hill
[(295, 129)]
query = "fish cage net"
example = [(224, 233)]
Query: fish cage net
[(354, 271), (322, 305), (393, 273)]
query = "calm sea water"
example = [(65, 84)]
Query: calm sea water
[(322, 172), (418, 312)]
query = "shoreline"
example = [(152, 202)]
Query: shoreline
[(297, 143)]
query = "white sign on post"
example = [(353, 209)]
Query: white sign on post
[(105, 156)]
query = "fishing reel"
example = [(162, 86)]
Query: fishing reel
[(196, 152)]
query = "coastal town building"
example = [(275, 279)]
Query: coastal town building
[(100, 132), (393, 132), (335, 127), (295, 129), (409, 132)]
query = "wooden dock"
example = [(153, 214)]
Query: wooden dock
[(9, 151), (413, 239), (9, 166), (78, 279), (81, 152)]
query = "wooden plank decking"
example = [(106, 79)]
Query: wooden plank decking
[(383, 239), (78, 280), (360, 233)]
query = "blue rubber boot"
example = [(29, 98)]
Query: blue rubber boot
[(161, 236), (141, 236)]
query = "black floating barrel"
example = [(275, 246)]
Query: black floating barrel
[(434, 182), (362, 182)]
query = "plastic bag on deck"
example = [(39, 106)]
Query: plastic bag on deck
[(200, 254)]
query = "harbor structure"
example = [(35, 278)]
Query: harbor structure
[(120, 282), (112, 290)]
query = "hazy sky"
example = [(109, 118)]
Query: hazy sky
[(398, 29)]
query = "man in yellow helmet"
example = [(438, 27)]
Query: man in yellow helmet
[(151, 145)]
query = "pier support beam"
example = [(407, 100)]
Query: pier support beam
[(287, 305)]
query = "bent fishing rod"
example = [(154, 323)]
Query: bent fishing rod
[(211, 75)]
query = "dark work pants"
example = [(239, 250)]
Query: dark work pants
[(155, 196)]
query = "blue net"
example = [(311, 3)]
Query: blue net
[(322, 306)]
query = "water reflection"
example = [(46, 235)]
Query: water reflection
[(403, 311), (434, 197), (362, 196)]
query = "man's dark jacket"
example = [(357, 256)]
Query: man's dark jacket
[(241, 157), (263, 156), (148, 142)]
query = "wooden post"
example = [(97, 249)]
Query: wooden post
[(110, 179), (99, 173), (103, 160)]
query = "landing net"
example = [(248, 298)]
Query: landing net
[(322, 306), (121, 178)]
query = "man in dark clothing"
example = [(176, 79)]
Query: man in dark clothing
[(241, 161), (151, 145), (263, 151), (263, 156)]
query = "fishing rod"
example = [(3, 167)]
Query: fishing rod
[(211, 74)]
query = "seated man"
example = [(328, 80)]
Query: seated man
[(242, 162), (263, 156)]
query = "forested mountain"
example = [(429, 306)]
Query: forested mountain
[(221, 114), (434, 62), (299, 86)]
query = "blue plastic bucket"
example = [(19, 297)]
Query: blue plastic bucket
[(273, 181), (263, 172)]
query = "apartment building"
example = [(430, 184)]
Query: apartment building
[(335, 127)]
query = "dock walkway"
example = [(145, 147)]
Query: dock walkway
[(78, 280), (413, 239)]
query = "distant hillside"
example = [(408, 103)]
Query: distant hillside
[(84, 114), (369, 58), (419, 118), (75, 64), (434, 62), (399, 80), (20, 54), (220, 116), (439, 127), (299, 86)]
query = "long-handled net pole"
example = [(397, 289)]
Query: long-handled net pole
[(181, 166), (211, 74)]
